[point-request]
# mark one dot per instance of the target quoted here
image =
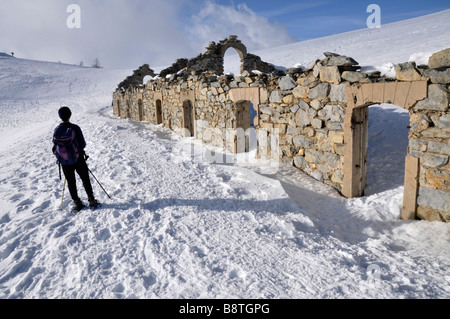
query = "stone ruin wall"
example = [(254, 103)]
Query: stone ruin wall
[(319, 117)]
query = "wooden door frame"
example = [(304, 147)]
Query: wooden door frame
[(359, 98)]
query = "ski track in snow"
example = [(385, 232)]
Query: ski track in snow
[(180, 227)]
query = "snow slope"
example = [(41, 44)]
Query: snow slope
[(373, 48), (181, 227)]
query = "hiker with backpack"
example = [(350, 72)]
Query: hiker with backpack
[(68, 147)]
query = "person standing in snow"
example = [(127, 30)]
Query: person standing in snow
[(78, 163)]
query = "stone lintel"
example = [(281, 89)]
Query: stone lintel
[(417, 92), (187, 95), (402, 94), (157, 95)]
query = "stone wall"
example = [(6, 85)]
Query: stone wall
[(318, 117), (429, 141)]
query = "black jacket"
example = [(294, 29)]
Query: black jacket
[(79, 138)]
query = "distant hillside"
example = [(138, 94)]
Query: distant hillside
[(392, 43)]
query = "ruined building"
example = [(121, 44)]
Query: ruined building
[(318, 116)]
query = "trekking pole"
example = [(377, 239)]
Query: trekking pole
[(99, 183), (62, 199)]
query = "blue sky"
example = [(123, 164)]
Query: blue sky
[(129, 33), (313, 19)]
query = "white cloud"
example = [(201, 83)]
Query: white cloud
[(120, 33), (127, 34), (216, 22)]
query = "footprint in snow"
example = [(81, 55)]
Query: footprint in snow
[(105, 261), (104, 234), (199, 252), (61, 227), (5, 219), (237, 273), (23, 175), (41, 207), (119, 288), (25, 205), (16, 197), (149, 280), (156, 217)]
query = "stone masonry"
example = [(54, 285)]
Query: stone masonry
[(318, 116)]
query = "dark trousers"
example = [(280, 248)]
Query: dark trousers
[(82, 170)]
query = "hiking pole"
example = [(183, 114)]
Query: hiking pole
[(99, 183), (62, 199), (86, 157)]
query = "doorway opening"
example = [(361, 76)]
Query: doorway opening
[(140, 110), (118, 108), (188, 117), (245, 125), (232, 63), (386, 147), (146, 79), (159, 113)]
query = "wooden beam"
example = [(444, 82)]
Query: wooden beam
[(411, 188)]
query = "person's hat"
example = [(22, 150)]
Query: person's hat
[(65, 113)]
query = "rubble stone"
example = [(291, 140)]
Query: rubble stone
[(353, 76), (407, 72), (339, 60), (301, 92), (320, 91), (440, 59), (286, 83), (437, 199), (337, 93), (330, 74), (437, 99), (438, 75)]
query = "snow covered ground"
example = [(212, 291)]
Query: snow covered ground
[(179, 227)]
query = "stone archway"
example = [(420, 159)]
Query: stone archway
[(238, 46), (359, 98)]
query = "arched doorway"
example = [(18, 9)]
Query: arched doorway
[(232, 63), (188, 119), (239, 47), (146, 79), (158, 112)]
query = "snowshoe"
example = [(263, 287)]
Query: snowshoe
[(93, 204), (77, 206)]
